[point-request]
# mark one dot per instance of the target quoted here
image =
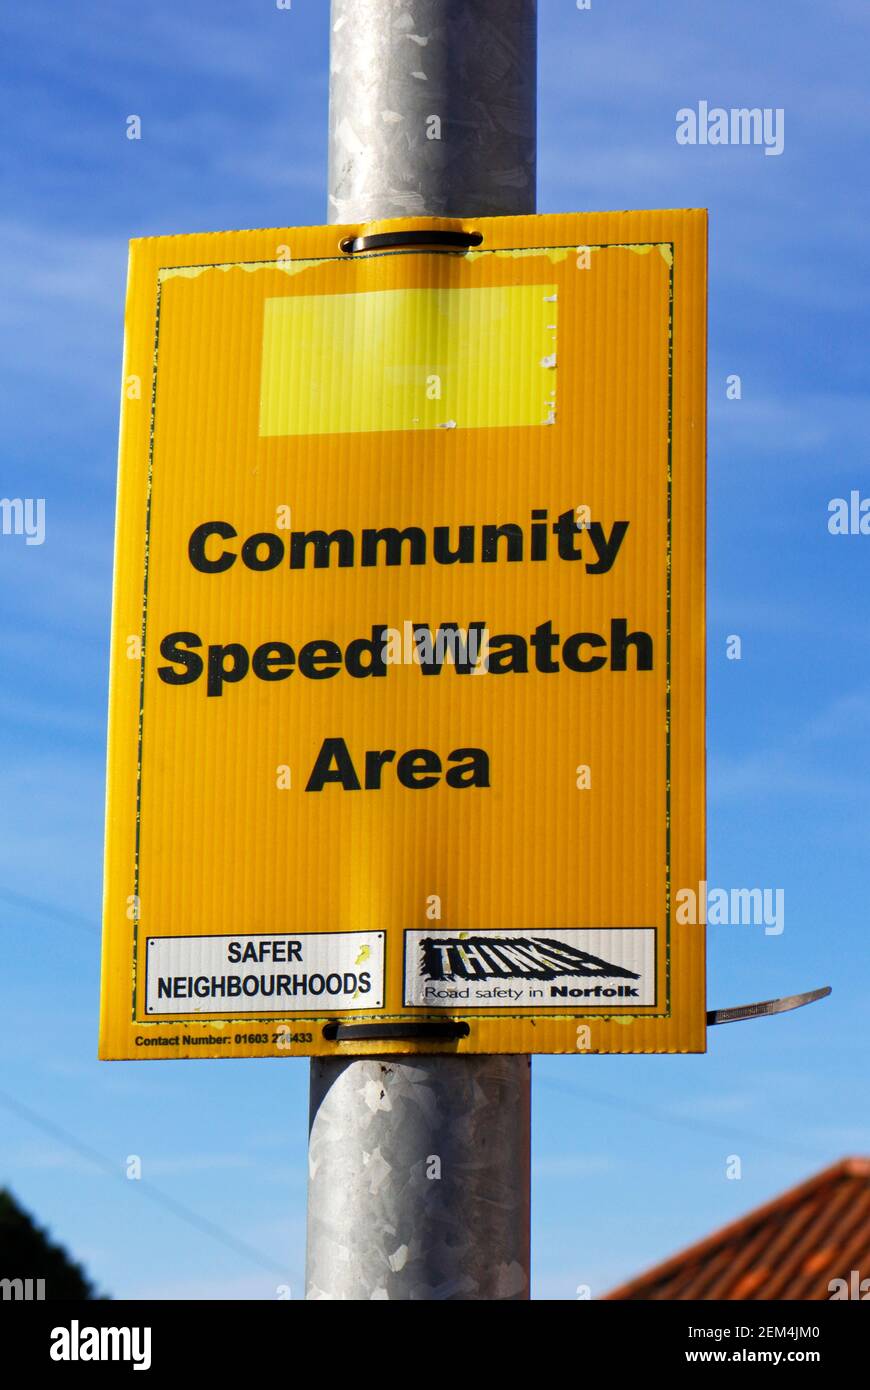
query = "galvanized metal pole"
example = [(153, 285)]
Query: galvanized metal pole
[(419, 1167), (432, 108)]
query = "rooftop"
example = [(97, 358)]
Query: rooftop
[(790, 1248)]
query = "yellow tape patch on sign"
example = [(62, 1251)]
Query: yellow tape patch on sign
[(407, 674), (409, 359)]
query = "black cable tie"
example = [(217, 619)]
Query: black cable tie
[(428, 239), (447, 1030)]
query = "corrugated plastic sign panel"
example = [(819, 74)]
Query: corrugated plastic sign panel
[(407, 682)]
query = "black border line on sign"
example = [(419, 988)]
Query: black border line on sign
[(478, 1017)]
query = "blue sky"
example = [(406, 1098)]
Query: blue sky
[(629, 1153)]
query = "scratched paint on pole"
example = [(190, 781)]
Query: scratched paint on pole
[(407, 674)]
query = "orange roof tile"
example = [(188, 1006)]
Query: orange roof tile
[(791, 1248)]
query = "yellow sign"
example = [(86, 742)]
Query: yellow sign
[(407, 690)]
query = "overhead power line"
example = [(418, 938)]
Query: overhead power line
[(201, 1223)]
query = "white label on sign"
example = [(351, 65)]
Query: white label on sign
[(315, 973), (607, 967)]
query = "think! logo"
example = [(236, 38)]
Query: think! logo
[(510, 958)]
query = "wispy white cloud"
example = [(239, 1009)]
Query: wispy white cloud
[(822, 425), (572, 1166), (845, 716), (61, 308), (206, 1287), (766, 774), (156, 1167), (722, 1105), (801, 761)]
